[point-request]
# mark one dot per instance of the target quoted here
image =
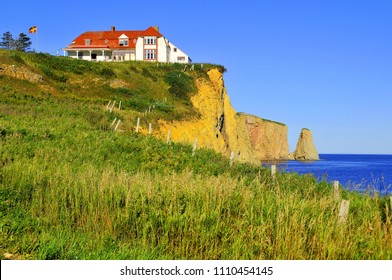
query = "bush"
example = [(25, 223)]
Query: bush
[(52, 75), (181, 85), (106, 72), (16, 57), (148, 74)]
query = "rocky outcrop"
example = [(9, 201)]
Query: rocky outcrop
[(305, 150), (219, 127), (19, 72), (264, 139)]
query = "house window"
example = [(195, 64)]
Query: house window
[(150, 40), (87, 42), (181, 58), (175, 49), (150, 54), (123, 42)]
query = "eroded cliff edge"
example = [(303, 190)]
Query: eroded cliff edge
[(218, 126), (221, 128)]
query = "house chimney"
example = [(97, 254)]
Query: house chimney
[(113, 28), (156, 27)]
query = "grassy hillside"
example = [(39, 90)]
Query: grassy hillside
[(71, 188)]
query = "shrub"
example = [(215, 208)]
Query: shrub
[(52, 75), (181, 85), (148, 74), (16, 57), (106, 72)]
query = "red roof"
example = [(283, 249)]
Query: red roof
[(110, 39), (151, 31)]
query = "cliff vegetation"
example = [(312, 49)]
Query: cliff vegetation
[(72, 188)]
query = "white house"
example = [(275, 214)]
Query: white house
[(113, 45)]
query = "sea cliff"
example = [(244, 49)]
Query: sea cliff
[(192, 105), (221, 128)]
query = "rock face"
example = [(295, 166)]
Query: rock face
[(305, 150), (20, 73), (219, 126), (264, 139)]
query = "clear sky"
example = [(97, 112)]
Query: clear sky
[(325, 65)]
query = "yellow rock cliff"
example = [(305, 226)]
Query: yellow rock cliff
[(221, 128)]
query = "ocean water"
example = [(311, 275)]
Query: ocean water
[(354, 172)]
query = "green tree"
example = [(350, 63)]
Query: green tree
[(23, 43), (7, 42)]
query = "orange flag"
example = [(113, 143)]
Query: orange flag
[(33, 29)]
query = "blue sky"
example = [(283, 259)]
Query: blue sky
[(323, 65)]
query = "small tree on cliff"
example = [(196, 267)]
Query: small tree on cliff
[(23, 43), (7, 42)]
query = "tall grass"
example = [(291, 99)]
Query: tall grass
[(63, 213), (70, 188)]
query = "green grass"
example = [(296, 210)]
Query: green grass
[(71, 188), (141, 84)]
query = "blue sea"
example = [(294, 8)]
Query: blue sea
[(362, 173)]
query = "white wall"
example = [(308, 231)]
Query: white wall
[(162, 50), (175, 55), (165, 50), (139, 49)]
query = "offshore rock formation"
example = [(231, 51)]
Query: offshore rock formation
[(219, 126), (305, 150)]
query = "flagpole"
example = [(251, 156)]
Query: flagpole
[(33, 30)]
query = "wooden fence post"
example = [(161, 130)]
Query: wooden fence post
[(343, 212), (149, 129), (168, 137), (273, 171), (194, 147), (231, 158), (118, 123), (119, 105), (149, 109), (137, 124), (115, 119), (336, 190), (107, 106), (111, 108)]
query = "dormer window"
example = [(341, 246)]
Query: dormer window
[(123, 42), (87, 42), (150, 40)]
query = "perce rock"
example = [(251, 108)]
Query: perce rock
[(305, 150)]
